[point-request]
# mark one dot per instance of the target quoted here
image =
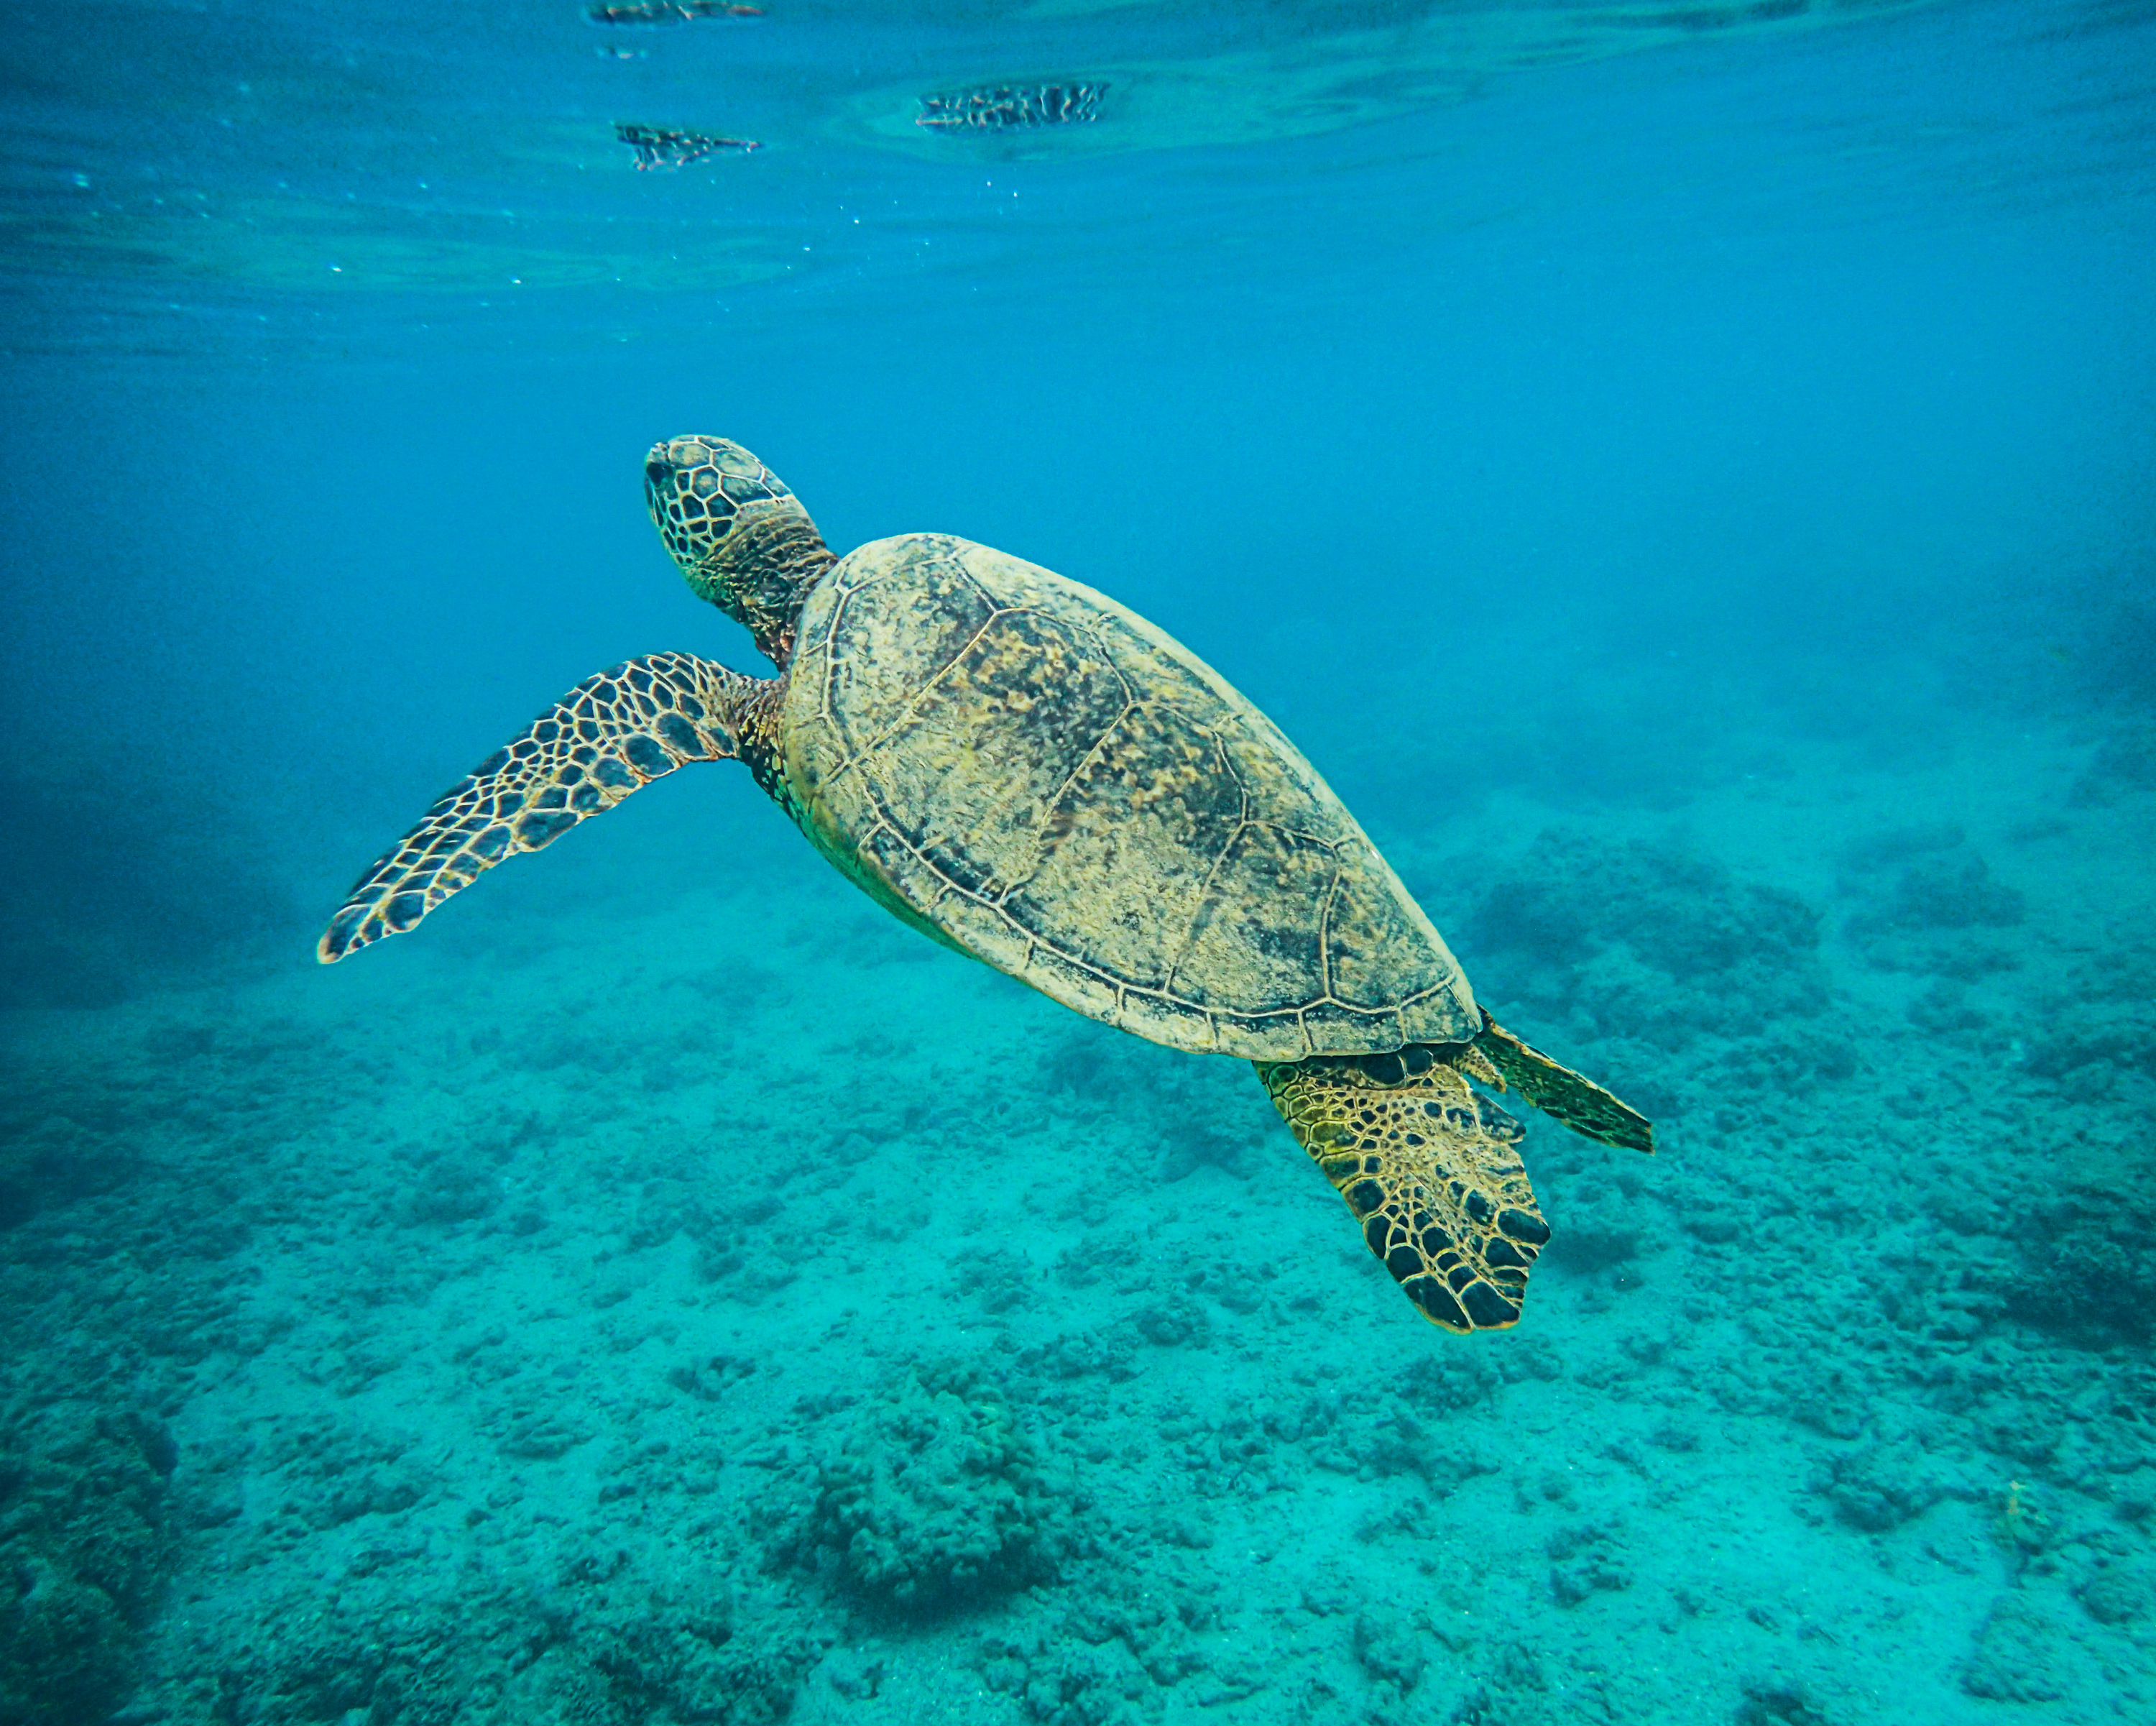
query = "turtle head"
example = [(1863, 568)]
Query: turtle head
[(739, 535)]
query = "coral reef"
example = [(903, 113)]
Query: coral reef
[(937, 1499), (1629, 940)]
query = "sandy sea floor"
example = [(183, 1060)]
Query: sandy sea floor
[(653, 1294)]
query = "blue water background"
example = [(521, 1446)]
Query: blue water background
[(1739, 451)]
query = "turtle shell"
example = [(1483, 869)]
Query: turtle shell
[(1047, 781)]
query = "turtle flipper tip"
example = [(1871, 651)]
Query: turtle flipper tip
[(349, 930), (336, 940), (376, 910)]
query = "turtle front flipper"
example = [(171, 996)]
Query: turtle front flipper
[(1429, 1169), (1563, 1094), (609, 736)]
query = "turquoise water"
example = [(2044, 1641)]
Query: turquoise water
[(1683, 474)]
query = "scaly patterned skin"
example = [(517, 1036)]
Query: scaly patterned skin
[(1028, 772), (610, 735), (745, 545), (1563, 1094), (740, 538), (1429, 1169)]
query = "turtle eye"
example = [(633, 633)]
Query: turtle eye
[(654, 472)]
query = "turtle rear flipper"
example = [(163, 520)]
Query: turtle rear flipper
[(610, 735), (1563, 1094), (1429, 1169)]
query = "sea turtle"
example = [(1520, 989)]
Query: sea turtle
[(1025, 771)]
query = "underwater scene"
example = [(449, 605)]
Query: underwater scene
[(1481, 676)]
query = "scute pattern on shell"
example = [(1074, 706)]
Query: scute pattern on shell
[(1065, 791)]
